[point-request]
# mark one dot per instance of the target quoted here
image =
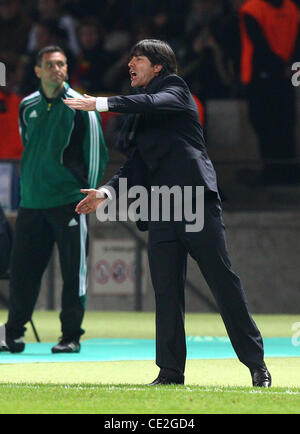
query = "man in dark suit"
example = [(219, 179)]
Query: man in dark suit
[(165, 146)]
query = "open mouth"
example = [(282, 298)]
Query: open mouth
[(132, 74)]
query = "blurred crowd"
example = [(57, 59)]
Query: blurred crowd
[(97, 36), (207, 36)]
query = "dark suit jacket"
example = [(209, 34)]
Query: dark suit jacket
[(166, 145)]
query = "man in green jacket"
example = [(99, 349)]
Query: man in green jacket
[(63, 150)]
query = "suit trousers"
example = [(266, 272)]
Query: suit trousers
[(37, 230), (168, 247)]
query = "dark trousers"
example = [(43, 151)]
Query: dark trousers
[(169, 245), (35, 234)]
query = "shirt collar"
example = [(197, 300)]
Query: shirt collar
[(62, 93), (153, 84)]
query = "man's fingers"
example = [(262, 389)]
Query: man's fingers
[(69, 101), (89, 203), (75, 103), (81, 204), (83, 208), (87, 104)]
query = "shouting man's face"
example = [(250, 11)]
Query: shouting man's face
[(142, 71)]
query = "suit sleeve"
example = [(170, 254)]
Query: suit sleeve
[(169, 99), (94, 149)]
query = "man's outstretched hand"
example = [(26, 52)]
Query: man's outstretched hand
[(90, 203), (88, 103)]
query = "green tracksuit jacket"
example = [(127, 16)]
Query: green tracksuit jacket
[(64, 150)]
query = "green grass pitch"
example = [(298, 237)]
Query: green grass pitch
[(212, 386)]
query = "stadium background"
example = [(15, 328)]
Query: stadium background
[(262, 220)]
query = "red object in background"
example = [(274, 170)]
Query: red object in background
[(105, 119), (279, 25), (11, 147), (200, 110)]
